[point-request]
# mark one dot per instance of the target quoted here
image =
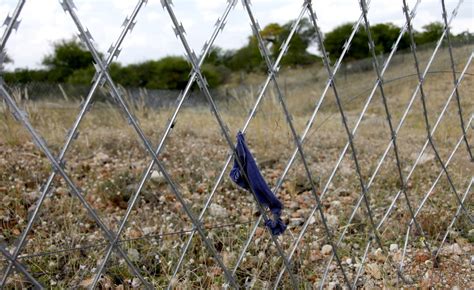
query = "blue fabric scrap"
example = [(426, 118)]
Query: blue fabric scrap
[(257, 184)]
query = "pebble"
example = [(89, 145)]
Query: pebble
[(453, 249), (378, 255), (295, 222), (133, 254), (335, 204), (157, 177), (135, 283), (393, 247), (218, 211), (326, 249), (102, 157), (332, 221)]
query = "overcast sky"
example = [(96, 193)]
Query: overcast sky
[(43, 22)]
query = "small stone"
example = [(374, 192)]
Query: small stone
[(326, 249), (102, 157), (218, 211), (453, 249), (379, 256), (133, 254), (393, 248), (332, 221), (314, 255), (470, 233), (425, 158), (335, 204), (157, 177), (295, 222), (135, 283), (349, 261)]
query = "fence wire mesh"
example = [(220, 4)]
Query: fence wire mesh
[(368, 218)]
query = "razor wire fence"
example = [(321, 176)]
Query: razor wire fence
[(383, 203)]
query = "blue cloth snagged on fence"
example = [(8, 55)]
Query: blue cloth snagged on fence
[(257, 184)]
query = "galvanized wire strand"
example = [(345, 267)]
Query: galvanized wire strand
[(20, 268), (121, 241), (219, 27), (309, 125), (350, 134), (21, 117), (453, 69), (360, 94), (421, 80), (331, 79), (12, 23), (433, 130), (403, 185), (303, 136), (86, 37), (401, 121), (456, 215), (102, 76), (229, 158), (41, 144), (403, 118), (202, 83), (380, 84), (426, 196), (272, 71), (73, 132)]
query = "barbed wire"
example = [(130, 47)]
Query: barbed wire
[(102, 77), (122, 241)]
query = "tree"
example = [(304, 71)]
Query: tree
[(431, 33), (248, 58), (68, 56), (297, 53), (383, 35)]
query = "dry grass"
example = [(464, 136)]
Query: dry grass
[(107, 162)]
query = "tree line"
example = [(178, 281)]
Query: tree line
[(71, 63)]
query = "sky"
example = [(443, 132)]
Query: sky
[(43, 22)]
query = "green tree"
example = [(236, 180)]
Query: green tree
[(430, 33), (68, 56), (383, 35), (248, 58)]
